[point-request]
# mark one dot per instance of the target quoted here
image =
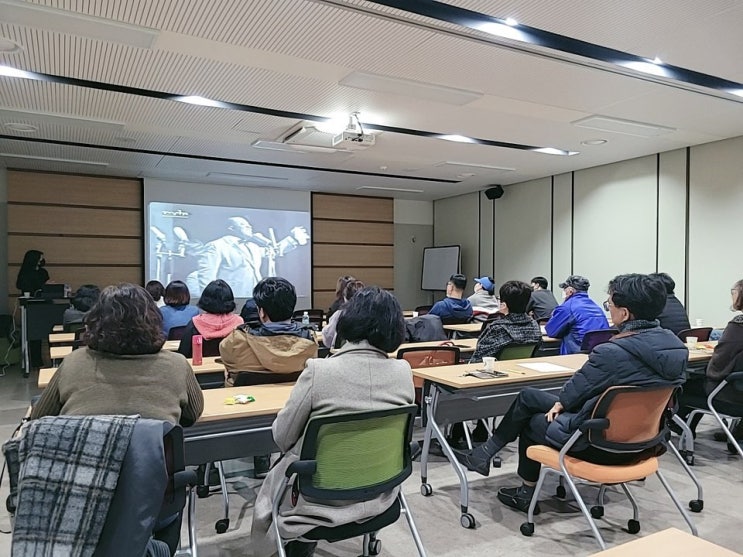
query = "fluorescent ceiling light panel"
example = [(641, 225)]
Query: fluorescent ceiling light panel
[(626, 127), (63, 21), (52, 159), (556, 151), (46, 118), (289, 148), (409, 88), (459, 165), (235, 176), (382, 188), (7, 71), (456, 138)]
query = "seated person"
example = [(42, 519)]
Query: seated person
[(156, 289), (340, 286), (217, 321), (515, 328), (484, 302), (350, 289), (177, 311), (577, 315), (276, 346), (673, 316), (642, 354), (122, 369), (249, 313), (453, 309), (359, 377), (84, 299), (726, 359), (542, 302)]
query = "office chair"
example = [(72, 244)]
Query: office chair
[(517, 351), (702, 333), (626, 420), (423, 310), (593, 338), (176, 333), (353, 457)]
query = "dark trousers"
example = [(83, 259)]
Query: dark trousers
[(525, 420)]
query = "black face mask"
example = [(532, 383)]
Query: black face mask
[(42, 262)]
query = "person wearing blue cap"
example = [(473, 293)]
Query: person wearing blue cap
[(484, 300)]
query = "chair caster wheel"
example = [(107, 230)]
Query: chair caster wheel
[(221, 525), (597, 511), (497, 462), (202, 491), (633, 526), (467, 521), (426, 490), (375, 547), (560, 492), (696, 505), (527, 529)]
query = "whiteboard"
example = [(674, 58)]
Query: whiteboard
[(439, 264)]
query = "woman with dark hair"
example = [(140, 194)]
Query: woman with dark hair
[(217, 321), (358, 378), (84, 299), (32, 275), (177, 311), (329, 331), (340, 286), (123, 370), (156, 289)]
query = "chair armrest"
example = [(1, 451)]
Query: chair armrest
[(736, 376), (594, 424), (185, 478), (302, 467)]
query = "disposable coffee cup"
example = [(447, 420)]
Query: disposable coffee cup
[(700, 322), (489, 362), (27, 294), (691, 342), (415, 314)]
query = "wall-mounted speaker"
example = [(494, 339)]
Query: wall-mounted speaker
[(494, 192)]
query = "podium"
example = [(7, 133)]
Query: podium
[(38, 317)]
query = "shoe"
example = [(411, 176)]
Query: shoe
[(480, 434), (518, 498), (416, 449), (459, 443), (737, 433), (261, 466), (476, 460), (300, 549)]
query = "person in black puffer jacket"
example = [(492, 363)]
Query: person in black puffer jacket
[(673, 316), (642, 354)]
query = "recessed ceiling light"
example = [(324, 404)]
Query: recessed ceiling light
[(593, 141), (23, 128), (8, 47)]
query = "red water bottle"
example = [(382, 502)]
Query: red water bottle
[(197, 341)]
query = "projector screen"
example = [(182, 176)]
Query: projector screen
[(439, 264), (198, 243)]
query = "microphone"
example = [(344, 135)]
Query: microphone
[(158, 234), (180, 234), (261, 240)]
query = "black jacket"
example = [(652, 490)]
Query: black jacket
[(673, 316), (646, 357)]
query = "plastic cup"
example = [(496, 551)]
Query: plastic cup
[(489, 362), (699, 322), (415, 314), (691, 342)]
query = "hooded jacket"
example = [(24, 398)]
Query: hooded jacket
[(645, 358), (271, 348), (452, 309), (210, 326)]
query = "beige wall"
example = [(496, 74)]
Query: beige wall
[(624, 217)]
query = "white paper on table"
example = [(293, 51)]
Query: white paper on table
[(544, 366)]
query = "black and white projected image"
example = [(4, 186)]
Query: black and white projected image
[(200, 243)]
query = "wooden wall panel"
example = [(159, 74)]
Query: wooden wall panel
[(347, 232), (352, 207), (67, 189), (78, 221), (89, 228), (351, 235)]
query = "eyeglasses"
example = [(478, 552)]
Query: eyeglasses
[(606, 305)]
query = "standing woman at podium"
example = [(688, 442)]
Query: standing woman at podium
[(31, 277)]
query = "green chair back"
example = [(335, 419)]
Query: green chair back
[(357, 455), (517, 351)]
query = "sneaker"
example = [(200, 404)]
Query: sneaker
[(518, 498), (261, 466), (475, 460)]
